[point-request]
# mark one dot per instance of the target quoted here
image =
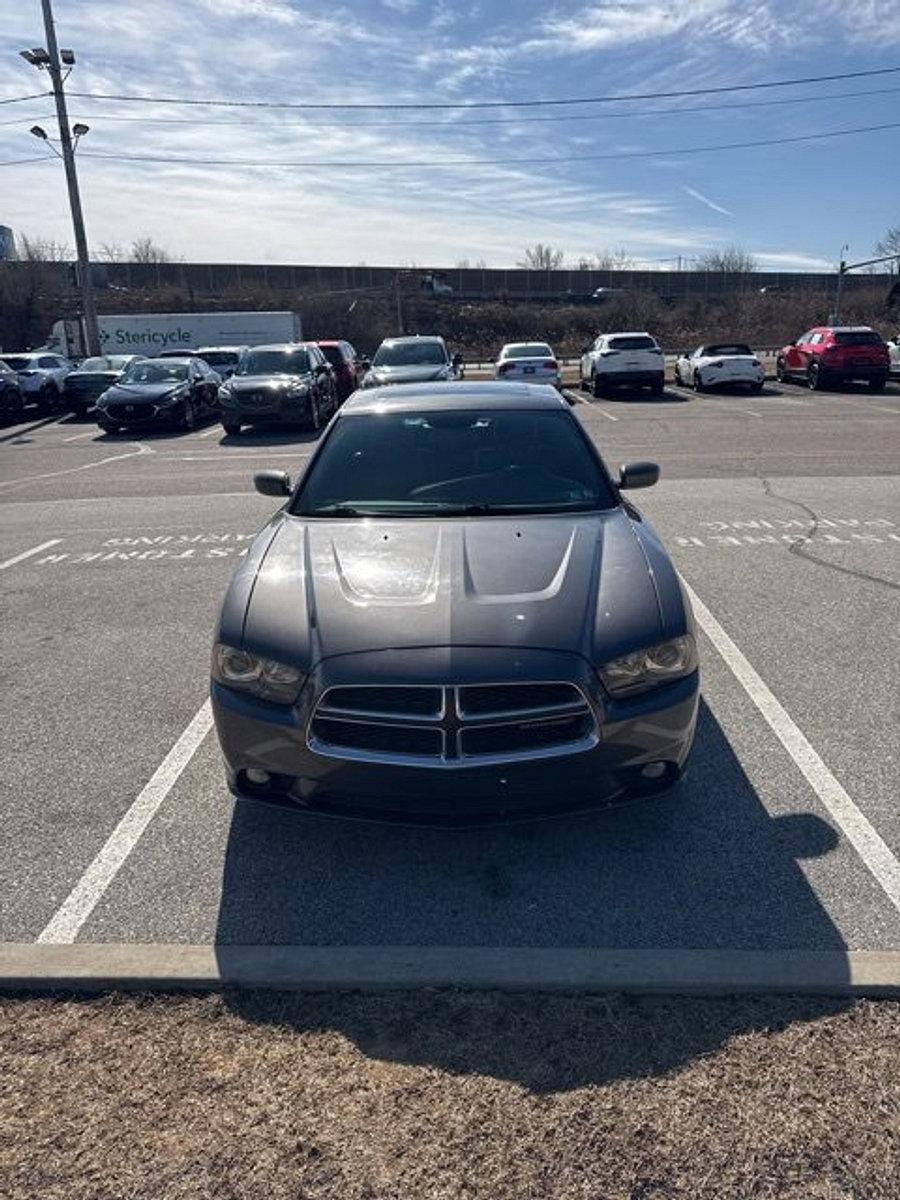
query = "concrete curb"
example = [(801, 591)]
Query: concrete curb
[(86, 967)]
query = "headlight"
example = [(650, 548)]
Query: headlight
[(262, 677), (643, 669), (298, 389), (173, 397), (226, 394)]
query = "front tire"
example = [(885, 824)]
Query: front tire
[(597, 388), (780, 372), (315, 417), (108, 427), (232, 428), (699, 386), (47, 399), (189, 416)]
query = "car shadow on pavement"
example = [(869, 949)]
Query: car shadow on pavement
[(708, 867)]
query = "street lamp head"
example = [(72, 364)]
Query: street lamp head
[(80, 130), (38, 132), (67, 57), (38, 57)]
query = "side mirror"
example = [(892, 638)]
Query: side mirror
[(458, 360), (272, 483), (638, 475)]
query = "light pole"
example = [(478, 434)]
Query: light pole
[(844, 267), (53, 60)]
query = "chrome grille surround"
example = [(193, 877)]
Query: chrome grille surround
[(465, 725)]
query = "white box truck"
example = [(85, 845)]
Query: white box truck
[(150, 333)]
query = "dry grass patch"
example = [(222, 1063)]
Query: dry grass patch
[(440, 1095)]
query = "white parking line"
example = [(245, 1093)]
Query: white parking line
[(11, 562), (213, 430), (861, 834), (12, 483), (79, 436), (65, 924)]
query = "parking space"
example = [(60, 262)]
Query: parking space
[(781, 511)]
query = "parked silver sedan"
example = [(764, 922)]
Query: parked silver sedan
[(528, 362), (455, 617)]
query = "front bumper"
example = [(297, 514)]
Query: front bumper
[(654, 728), (143, 416), (722, 378), (281, 409)]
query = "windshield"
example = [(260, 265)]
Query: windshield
[(454, 463), (103, 364), (720, 351), (151, 371), (410, 354), (333, 354), (528, 350), (274, 362), (637, 342), (17, 363), (864, 337), (221, 358)]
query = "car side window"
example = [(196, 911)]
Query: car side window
[(598, 345), (47, 362), (816, 339)]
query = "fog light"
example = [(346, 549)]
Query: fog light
[(260, 778), (654, 770)]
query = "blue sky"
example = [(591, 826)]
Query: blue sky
[(792, 206)]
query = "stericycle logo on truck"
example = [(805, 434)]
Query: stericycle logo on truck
[(161, 338)]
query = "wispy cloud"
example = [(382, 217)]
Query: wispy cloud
[(706, 200)]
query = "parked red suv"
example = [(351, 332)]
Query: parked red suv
[(836, 354), (348, 368)]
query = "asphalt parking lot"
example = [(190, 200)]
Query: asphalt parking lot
[(782, 512)]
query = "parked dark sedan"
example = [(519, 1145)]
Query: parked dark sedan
[(83, 386), (171, 391), (12, 404), (455, 617), (286, 384)]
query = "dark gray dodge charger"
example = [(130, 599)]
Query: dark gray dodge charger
[(455, 617)]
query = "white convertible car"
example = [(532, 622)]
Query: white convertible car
[(722, 363)]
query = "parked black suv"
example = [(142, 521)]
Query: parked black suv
[(291, 383)]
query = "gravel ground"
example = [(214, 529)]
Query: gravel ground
[(440, 1095)]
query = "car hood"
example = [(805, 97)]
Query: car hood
[(311, 590), (238, 384), (141, 393), (383, 376)]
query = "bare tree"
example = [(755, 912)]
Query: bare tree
[(614, 259), (890, 244), (731, 258), (41, 249), (542, 258), (111, 252), (145, 250)]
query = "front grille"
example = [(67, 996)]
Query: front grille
[(452, 726), (131, 412)]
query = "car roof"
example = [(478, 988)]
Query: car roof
[(413, 397), (626, 333), (284, 346), (207, 349), (412, 337), (847, 328)]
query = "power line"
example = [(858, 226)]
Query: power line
[(17, 162), (31, 96), (452, 124), (379, 164), (480, 104)]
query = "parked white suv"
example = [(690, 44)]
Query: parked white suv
[(894, 351), (631, 360), (41, 375)]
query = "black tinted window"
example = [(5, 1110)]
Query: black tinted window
[(727, 348), (333, 354), (637, 342), (432, 463), (862, 338)]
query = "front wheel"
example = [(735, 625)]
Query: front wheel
[(597, 386), (108, 426), (678, 376), (232, 428), (698, 383), (780, 372), (814, 379), (315, 417), (189, 416)]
